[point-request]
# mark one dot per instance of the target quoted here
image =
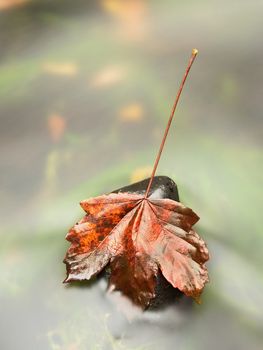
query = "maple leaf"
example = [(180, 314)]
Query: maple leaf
[(137, 236)]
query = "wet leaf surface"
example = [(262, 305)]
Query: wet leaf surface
[(137, 236)]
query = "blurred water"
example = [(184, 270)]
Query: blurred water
[(85, 90)]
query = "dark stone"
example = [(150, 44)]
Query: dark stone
[(162, 187)]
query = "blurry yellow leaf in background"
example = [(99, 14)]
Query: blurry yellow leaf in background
[(67, 69), (129, 9), (56, 126), (113, 6), (108, 76), (6, 4), (130, 13), (131, 113), (140, 174)]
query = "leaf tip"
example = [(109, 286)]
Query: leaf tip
[(198, 300), (66, 280)]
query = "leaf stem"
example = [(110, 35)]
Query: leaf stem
[(191, 61)]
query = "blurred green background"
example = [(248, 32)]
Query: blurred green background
[(86, 88)]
